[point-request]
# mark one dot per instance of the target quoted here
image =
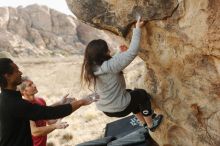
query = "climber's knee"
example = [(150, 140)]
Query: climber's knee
[(146, 112)]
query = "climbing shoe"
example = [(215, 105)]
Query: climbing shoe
[(156, 122), (153, 115)]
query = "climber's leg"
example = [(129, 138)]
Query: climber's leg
[(140, 117), (142, 98), (140, 105)]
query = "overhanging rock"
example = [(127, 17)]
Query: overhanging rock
[(118, 15)]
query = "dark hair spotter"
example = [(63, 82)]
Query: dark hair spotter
[(5, 68)]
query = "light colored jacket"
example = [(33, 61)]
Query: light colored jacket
[(110, 82)]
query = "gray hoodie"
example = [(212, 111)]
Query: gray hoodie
[(110, 82)]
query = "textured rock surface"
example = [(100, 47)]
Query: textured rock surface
[(39, 31), (118, 15), (181, 48)]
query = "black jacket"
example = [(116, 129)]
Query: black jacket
[(15, 114)]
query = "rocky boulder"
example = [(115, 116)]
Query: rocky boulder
[(40, 31), (181, 48)]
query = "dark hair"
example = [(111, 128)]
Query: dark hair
[(5, 68), (96, 53)]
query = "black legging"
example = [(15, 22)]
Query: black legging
[(140, 102)]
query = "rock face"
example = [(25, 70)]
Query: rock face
[(39, 31), (118, 16), (181, 48)]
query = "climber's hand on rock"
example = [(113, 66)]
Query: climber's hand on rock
[(139, 23)]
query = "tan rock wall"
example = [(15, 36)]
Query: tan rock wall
[(182, 55)]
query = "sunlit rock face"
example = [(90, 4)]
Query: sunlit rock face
[(181, 47)]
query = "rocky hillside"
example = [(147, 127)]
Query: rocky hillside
[(40, 31), (181, 48)]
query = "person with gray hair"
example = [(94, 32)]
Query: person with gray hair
[(40, 128)]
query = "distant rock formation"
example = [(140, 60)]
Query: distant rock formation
[(40, 31), (181, 48)]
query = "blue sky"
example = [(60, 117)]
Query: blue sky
[(59, 5)]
